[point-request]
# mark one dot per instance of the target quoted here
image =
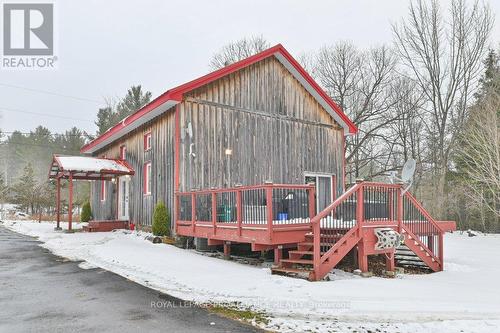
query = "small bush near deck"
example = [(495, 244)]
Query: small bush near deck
[(161, 220), (86, 212)]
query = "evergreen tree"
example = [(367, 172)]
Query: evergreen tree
[(71, 141), (24, 189), (3, 190), (86, 214), (105, 118), (135, 99), (43, 197), (490, 78), (161, 220)]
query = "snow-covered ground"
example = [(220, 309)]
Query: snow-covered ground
[(463, 298)]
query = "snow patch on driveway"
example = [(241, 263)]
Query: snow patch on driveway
[(463, 298)]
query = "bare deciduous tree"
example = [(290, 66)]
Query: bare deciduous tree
[(444, 56), (360, 83), (481, 154), (238, 50)]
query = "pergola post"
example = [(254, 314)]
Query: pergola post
[(58, 203), (70, 206)]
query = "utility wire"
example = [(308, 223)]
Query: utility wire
[(50, 93), (35, 134), (30, 144), (44, 114)]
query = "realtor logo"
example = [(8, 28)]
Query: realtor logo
[(28, 36)]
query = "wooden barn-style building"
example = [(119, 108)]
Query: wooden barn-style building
[(254, 153)]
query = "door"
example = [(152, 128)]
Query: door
[(123, 198), (324, 187)]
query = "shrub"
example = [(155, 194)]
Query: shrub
[(161, 220), (86, 214)]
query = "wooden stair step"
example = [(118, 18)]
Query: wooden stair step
[(303, 252), (286, 271), (312, 244), (297, 261), (408, 258)]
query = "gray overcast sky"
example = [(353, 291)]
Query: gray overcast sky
[(104, 47)]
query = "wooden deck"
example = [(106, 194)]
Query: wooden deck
[(274, 216)]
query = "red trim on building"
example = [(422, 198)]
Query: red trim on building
[(177, 157), (177, 93)]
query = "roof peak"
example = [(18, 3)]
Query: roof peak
[(174, 96)]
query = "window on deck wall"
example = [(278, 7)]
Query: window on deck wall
[(147, 141), (103, 190), (123, 152), (147, 178)]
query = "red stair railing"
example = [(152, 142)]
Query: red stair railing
[(370, 204), (333, 223), (422, 227)]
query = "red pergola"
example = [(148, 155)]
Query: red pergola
[(83, 168)]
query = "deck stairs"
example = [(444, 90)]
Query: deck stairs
[(415, 225), (420, 250), (300, 262), (407, 258)]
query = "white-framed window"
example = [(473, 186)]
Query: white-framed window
[(123, 152), (147, 141), (147, 178), (325, 188)]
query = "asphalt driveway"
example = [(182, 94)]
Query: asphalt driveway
[(40, 292)]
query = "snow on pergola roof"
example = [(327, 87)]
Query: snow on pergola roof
[(81, 167)]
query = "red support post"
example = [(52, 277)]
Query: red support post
[(400, 209), (362, 257), (214, 212), (441, 254), (390, 265), (360, 205), (58, 204), (269, 202), (227, 250), (312, 201), (316, 248), (391, 203), (239, 211), (70, 206), (278, 254)]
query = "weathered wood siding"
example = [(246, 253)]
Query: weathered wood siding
[(161, 155), (274, 127), (276, 130)]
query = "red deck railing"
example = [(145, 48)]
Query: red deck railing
[(245, 212), (276, 214)]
